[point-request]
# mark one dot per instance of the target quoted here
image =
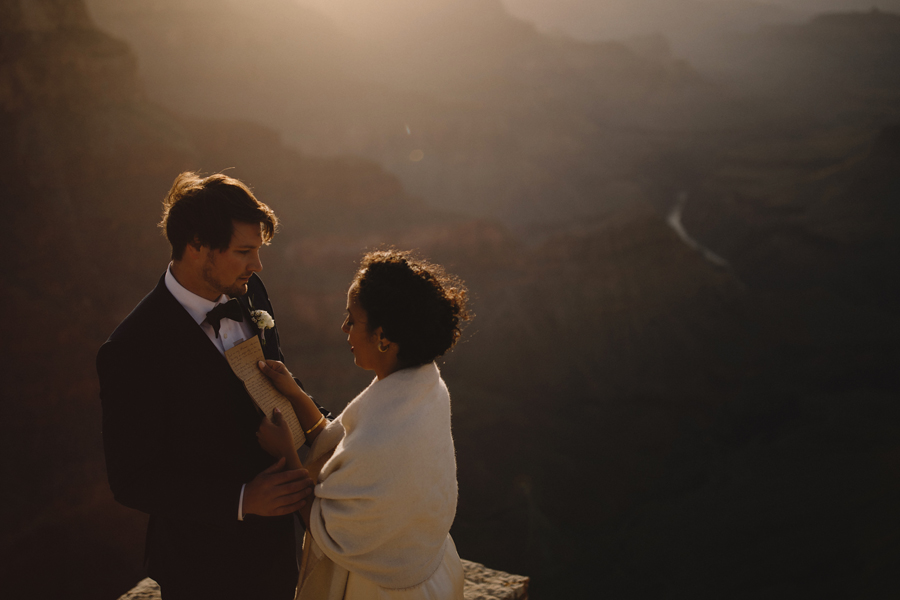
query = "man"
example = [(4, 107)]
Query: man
[(179, 428)]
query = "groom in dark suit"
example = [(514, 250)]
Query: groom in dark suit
[(179, 429)]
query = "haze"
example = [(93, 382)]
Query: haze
[(690, 26)]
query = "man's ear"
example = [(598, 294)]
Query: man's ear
[(194, 246)]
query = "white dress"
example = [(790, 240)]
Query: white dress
[(380, 522), (446, 582)]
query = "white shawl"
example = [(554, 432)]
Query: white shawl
[(387, 496)]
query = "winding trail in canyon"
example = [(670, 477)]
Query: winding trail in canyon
[(673, 219)]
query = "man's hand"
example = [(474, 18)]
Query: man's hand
[(275, 436), (275, 492)]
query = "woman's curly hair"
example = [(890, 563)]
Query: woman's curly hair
[(417, 304)]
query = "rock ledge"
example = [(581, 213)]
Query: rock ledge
[(481, 584)]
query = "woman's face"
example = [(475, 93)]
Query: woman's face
[(363, 344)]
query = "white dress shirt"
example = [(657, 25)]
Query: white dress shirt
[(231, 332)]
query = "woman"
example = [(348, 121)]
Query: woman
[(385, 467)]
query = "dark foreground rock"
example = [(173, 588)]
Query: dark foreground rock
[(481, 584)]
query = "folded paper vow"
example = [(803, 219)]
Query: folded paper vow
[(243, 359)]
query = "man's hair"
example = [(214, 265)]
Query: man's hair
[(201, 210)]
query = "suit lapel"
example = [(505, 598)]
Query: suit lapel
[(206, 362), (256, 294), (245, 304), (190, 341)]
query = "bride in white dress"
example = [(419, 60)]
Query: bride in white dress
[(385, 468)]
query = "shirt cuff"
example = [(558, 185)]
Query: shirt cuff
[(241, 504)]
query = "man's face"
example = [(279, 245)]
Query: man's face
[(227, 271)]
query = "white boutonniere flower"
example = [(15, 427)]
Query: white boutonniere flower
[(263, 321)]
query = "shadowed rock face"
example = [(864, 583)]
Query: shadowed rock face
[(832, 228), (53, 57), (43, 16)]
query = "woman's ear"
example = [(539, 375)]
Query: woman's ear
[(383, 341)]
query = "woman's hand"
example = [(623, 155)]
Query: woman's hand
[(280, 377), (307, 412), (275, 436)]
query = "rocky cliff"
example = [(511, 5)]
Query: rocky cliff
[(54, 57), (481, 584)]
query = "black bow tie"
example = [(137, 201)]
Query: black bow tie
[(229, 310)]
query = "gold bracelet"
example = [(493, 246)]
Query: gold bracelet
[(319, 422)]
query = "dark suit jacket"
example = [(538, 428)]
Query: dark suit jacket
[(179, 433)]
